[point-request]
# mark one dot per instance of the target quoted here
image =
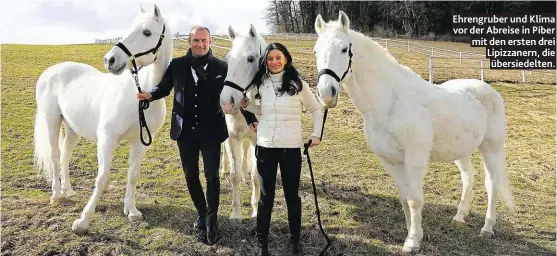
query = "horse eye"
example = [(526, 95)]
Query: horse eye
[(251, 59), (345, 50), (146, 32)]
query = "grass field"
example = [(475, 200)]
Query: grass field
[(358, 200)]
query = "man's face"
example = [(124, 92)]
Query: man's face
[(200, 42)]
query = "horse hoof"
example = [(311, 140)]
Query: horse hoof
[(410, 246), (135, 217), (486, 234), (79, 227), (235, 217), (69, 193), (410, 250), (55, 198), (458, 223)]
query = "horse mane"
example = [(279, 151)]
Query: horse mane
[(370, 52)]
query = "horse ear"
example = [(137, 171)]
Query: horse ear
[(141, 10), (157, 12), (319, 24), (252, 31), (231, 33), (344, 20)]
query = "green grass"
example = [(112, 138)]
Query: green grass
[(358, 200)]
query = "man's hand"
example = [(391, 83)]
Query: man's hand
[(143, 95), (253, 126)]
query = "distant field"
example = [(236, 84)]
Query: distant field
[(358, 199)]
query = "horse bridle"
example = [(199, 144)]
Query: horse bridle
[(327, 71), (134, 56), (144, 104), (237, 87)]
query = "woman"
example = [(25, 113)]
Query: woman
[(281, 93)]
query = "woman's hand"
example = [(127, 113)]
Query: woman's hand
[(253, 126), (314, 141), (245, 102)]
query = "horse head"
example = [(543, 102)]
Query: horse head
[(141, 45)]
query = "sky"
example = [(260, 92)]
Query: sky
[(83, 21)]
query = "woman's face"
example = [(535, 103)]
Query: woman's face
[(275, 61)]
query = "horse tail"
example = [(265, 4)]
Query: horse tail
[(504, 188), (493, 144), (48, 121)]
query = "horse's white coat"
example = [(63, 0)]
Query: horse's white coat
[(101, 107), (239, 156), (409, 121)]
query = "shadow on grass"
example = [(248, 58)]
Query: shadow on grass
[(236, 239), (382, 218)]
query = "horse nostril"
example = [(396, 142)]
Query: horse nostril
[(232, 100), (111, 61), (333, 91)]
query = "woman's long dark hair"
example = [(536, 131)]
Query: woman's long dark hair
[(291, 81)]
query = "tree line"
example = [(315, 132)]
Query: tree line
[(391, 18)]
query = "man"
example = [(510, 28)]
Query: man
[(198, 123)]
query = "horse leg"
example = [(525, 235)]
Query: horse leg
[(54, 124), (105, 152), (234, 149), (415, 164), (245, 159), (225, 165), (252, 166), (493, 162), (70, 141), (397, 172), (467, 176), (137, 152)]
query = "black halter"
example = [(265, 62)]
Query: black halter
[(152, 50), (144, 104), (332, 73), (237, 87)]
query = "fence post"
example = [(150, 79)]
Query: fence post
[(386, 44), (460, 58), (523, 76), (482, 69), (432, 52), (430, 68), (408, 41)]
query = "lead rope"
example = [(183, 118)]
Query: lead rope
[(143, 105), (317, 212)]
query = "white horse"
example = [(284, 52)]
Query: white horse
[(409, 121), (101, 107), (243, 63)]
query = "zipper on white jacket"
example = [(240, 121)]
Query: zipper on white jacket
[(274, 115)]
